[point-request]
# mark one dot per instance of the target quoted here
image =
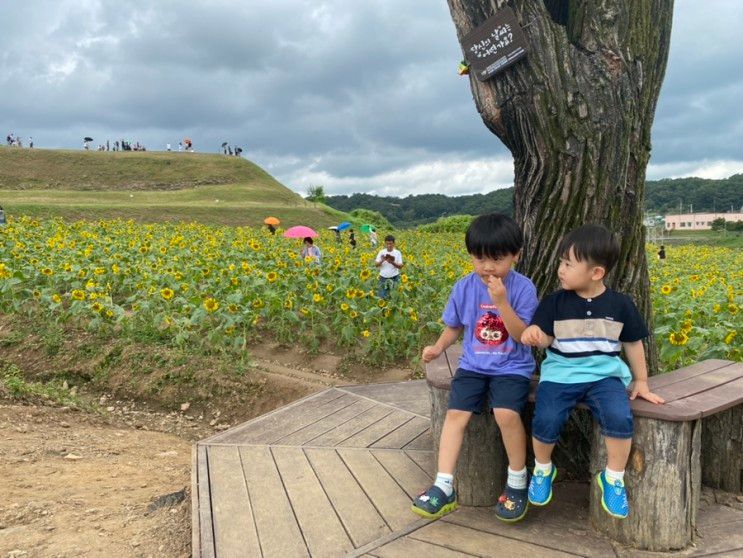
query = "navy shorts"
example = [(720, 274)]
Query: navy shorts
[(607, 399), (504, 391)]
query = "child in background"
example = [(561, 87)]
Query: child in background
[(492, 306), (584, 326)]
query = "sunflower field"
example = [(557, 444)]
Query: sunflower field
[(224, 288)]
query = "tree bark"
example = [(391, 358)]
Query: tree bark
[(576, 114), (722, 450), (663, 481)]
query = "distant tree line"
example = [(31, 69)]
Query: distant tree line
[(661, 197)]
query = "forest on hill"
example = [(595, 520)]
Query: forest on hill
[(661, 197)]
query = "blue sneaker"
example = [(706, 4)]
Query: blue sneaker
[(434, 503), (613, 497), (512, 504), (540, 487)]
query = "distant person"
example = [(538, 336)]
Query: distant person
[(180, 146), (309, 250), (30, 142), (167, 147), (389, 262), (2, 216), (662, 253), (108, 145), (373, 238), (271, 229), (338, 238), (352, 239)]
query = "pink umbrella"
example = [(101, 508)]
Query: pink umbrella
[(300, 231)]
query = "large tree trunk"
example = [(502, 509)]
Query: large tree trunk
[(576, 114)]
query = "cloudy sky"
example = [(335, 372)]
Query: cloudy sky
[(355, 96)]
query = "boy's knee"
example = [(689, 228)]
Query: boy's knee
[(457, 417), (506, 418)]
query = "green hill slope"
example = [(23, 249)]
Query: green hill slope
[(148, 187)]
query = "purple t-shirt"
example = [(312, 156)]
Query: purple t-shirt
[(487, 347)]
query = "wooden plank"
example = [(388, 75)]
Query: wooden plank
[(694, 407), (562, 526), (388, 498), (361, 520), (404, 434), (277, 528), (703, 382), (195, 523), (405, 471), (236, 434), (719, 399), (481, 543), (378, 430), (426, 460), (234, 529), (309, 432), (322, 529), (412, 547), (206, 530), (422, 442), (356, 424), (300, 417), (683, 374), (411, 396)]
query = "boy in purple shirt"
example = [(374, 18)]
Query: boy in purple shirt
[(492, 306)]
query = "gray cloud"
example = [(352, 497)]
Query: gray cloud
[(359, 96)]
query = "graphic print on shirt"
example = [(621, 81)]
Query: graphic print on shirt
[(490, 330)]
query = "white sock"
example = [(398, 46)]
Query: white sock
[(516, 479), (445, 482), (613, 476), (546, 468)]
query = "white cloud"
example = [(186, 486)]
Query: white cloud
[(443, 176), (701, 169)]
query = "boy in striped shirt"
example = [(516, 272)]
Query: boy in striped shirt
[(584, 326)]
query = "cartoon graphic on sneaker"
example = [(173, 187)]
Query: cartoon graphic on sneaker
[(540, 487), (434, 503), (512, 504), (613, 497)]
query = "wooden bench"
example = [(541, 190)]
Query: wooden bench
[(697, 436)]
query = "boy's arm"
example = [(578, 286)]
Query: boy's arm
[(533, 336), (636, 356), (446, 339), (498, 294)]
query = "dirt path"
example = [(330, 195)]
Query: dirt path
[(117, 482)]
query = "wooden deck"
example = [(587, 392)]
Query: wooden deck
[(334, 474)]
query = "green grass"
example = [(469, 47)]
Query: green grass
[(149, 187)]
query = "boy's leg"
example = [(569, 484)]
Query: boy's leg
[(466, 397), (508, 396), (554, 403), (609, 403)]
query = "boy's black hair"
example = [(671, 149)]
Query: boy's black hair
[(389, 237), (308, 239), (592, 243), (493, 235)]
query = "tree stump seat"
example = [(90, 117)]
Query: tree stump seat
[(697, 436)]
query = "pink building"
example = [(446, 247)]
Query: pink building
[(698, 221)]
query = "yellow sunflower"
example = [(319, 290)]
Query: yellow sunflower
[(272, 276), (679, 338), (366, 333), (211, 304), (56, 298), (364, 275), (77, 294), (730, 336), (666, 289), (167, 293)]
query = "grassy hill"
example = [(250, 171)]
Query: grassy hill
[(149, 187)]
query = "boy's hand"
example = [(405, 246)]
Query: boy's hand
[(430, 353), (640, 387), (533, 336), (497, 290)]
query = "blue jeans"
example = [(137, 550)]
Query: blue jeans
[(386, 284), (607, 399)]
